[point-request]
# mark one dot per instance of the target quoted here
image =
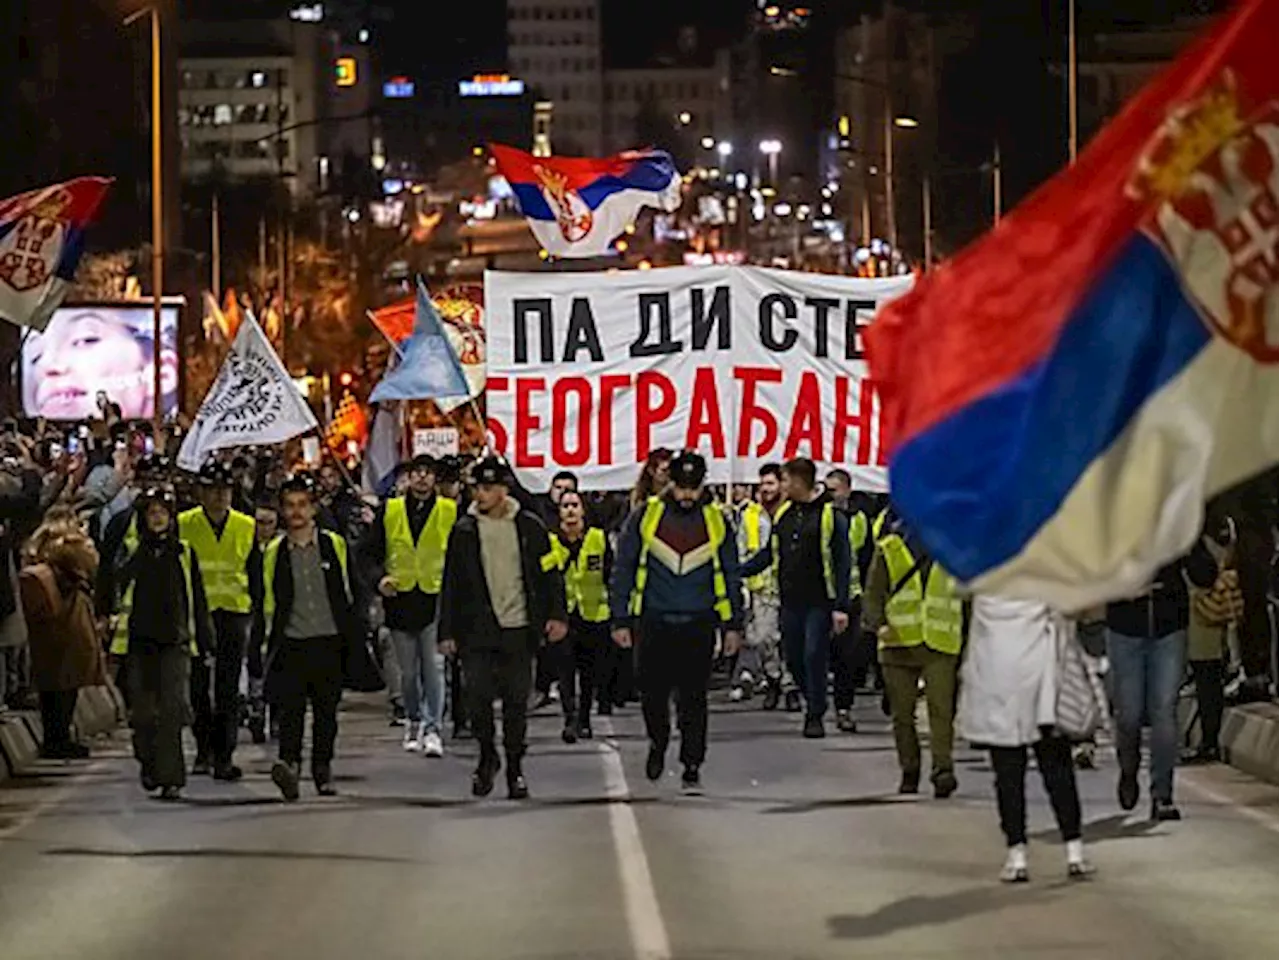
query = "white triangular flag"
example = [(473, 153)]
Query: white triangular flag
[(254, 401)]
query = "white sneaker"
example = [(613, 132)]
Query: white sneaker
[(736, 694), (412, 737), (432, 745)]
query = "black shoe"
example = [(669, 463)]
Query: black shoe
[(793, 701), (604, 710), (228, 772), (202, 767), (691, 782), (910, 782), (517, 789), (570, 732), (285, 777), (814, 728), (322, 777), (845, 722), (482, 779), (170, 794), (584, 730), (944, 784), (461, 731), (1127, 789), (149, 783), (258, 731), (1164, 811), (656, 762), (771, 697)]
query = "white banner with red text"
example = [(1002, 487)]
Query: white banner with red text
[(590, 372)]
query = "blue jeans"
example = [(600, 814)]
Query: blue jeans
[(421, 675), (1145, 676), (806, 643)]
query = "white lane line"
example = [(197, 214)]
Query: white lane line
[(1212, 794), (649, 938)]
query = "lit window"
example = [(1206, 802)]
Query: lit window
[(258, 78), (221, 114)]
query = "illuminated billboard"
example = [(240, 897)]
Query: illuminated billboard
[(106, 348), (344, 71), (398, 88), (490, 85)]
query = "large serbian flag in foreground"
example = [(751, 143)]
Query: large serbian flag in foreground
[(577, 206), (1062, 397), (41, 241)]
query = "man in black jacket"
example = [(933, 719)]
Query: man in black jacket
[(1147, 650), (309, 622), (502, 592)]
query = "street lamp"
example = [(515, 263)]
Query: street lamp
[(724, 148), (771, 149), (157, 217)]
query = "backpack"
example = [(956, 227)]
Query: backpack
[(42, 599)]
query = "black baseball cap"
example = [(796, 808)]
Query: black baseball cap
[(301, 482), (215, 475), (491, 470), (688, 470), (423, 461)]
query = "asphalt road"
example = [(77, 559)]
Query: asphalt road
[(799, 851)]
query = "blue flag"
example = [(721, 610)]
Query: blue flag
[(428, 368)]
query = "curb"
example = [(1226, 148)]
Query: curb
[(1250, 738), (98, 710)]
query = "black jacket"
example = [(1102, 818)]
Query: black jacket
[(1165, 608), (160, 599), (466, 611), (337, 586)]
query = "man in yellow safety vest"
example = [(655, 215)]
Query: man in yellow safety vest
[(223, 540), (675, 583), (761, 661), (308, 622), (162, 623), (405, 546), (846, 647), (584, 556), (809, 553), (913, 607)]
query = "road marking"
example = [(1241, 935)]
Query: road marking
[(644, 917)]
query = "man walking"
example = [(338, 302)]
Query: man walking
[(809, 551), (225, 545), (308, 619), (846, 646), (406, 546), (502, 593), (675, 582)]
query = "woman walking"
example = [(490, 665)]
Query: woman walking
[(1011, 686), (57, 591)]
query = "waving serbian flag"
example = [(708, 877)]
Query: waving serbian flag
[(1061, 398), (576, 206), (41, 241)]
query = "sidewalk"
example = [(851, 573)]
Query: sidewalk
[(98, 710)]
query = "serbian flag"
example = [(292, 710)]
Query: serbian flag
[(41, 242), (576, 206), (1061, 398), (395, 321)]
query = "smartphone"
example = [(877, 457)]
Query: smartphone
[(73, 444), (83, 431), (148, 445)]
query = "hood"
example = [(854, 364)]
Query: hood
[(510, 507)]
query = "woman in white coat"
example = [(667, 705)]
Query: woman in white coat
[(1008, 701)]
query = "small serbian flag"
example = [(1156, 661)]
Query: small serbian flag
[(576, 206), (1062, 397), (41, 241)]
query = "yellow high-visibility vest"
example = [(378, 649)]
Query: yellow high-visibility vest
[(223, 560), (715, 534), (857, 540), (751, 514), (120, 636), (271, 559), (418, 564), (827, 527), (584, 586), (930, 613), (877, 526)]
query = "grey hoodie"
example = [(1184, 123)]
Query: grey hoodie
[(500, 557)]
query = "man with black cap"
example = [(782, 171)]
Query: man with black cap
[(503, 592), (162, 623), (675, 582), (224, 542), (405, 549), (308, 621)]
